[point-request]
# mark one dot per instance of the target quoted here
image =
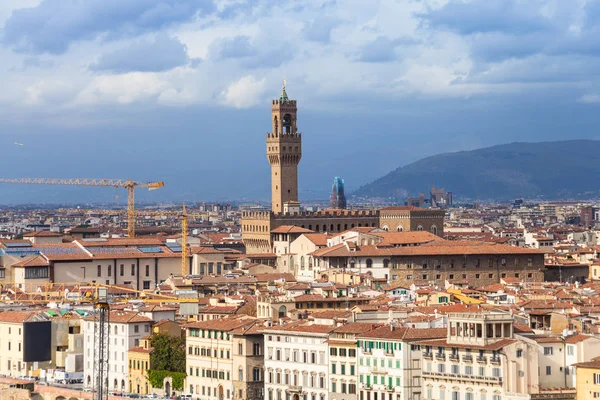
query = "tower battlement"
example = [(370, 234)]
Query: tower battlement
[(277, 136)]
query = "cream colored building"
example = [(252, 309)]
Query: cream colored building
[(126, 329), (12, 344), (480, 359), (209, 357)]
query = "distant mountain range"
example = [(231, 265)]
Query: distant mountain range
[(547, 170)]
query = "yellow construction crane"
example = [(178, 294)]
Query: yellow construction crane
[(183, 216), (117, 183)]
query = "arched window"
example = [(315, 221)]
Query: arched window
[(116, 384), (345, 227), (386, 228), (310, 262), (331, 228), (386, 263), (241, 374), (420, 227), (400, 228), (339, 227), (434, 229), (352, 263), (317, 228), (240, 350), (256, 374), (310, 227), (324, 228), (302, 262), (116, 330), (282, 311), (291, 262), (369, 263)]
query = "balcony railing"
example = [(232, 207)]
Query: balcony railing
[(378, 370), (440, 356), (467, 358), (295, 389), (482, 359), (453, 357), (428, 356), (495, 360), (462, 377)]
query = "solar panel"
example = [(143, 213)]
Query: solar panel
[(150, 249), (19, 244), (111, 250), (176, 249)]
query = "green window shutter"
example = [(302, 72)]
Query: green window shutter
[(390, 381), (397, 363), (360, 378), (375, 380), (397, 381)]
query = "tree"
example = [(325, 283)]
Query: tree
[(168, 353)]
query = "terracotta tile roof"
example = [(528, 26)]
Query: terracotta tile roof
[(42, 234), (428, 249), (275, 277), (140, 349), (522, 328), (17, 317), (404, 333), (218, 310), (304, 328), (357, 327), (125, 317), (399, 238), (290, 229), (547, 339), (144, 241), (331, 314), (32, 261), (594, 364), (226, 324), (319, 239), (577, 338), (403, 208)]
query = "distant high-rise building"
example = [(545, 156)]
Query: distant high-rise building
[(338, 198)]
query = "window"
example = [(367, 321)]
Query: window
[(147, 270), (2, 272), (122, 269), (99, 270), (519, 353), (36, 272), (596, 379), (468, 396), (455, 369), (548, 351), (570, 350), (109, 270), (146, 285), (496, 372), (369, 263), (468, 370), (548, 370), (455, 395), (136, 329), (132, 269)]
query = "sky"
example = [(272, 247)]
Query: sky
[(180, 90)]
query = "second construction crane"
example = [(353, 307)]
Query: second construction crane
[(117, 183)]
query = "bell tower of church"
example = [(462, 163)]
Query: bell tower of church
[(284, 150)]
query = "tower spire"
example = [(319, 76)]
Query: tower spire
[(284, 96)]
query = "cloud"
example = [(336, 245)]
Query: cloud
[(319, 29), (244, 93), (476, 16), (122, 89), (249, 54), (382, 49), (53, 25), (159, 53), (590, 99), (235, 47)]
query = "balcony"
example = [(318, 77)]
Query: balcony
[(462, 377), (482, 359), (378, 370), (495, 360), (390, 388), (440, 356), (453, 357), (428, 356), (467, 358), (295, 389)]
